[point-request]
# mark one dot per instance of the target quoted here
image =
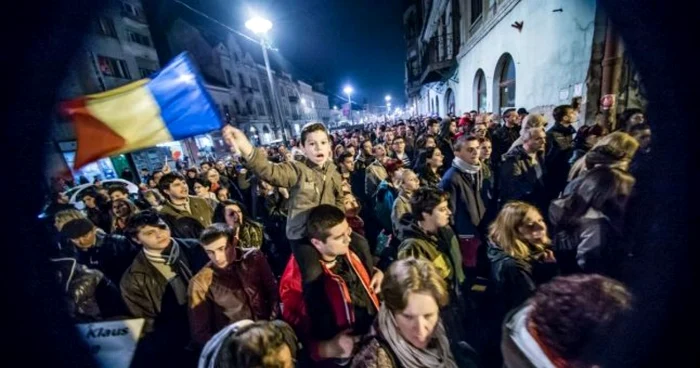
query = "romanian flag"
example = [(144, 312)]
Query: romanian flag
[(171, 105)]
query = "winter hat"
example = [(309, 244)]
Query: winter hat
[(604, 155), (74, 229)]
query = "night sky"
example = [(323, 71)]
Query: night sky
[(358, 42)]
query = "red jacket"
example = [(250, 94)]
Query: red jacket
[(294, 307)]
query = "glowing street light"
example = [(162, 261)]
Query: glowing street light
[(260, 26), (387, 98)]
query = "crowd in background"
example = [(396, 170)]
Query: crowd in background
[(454, 242)]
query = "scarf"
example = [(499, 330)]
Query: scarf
[(170, 257), (465, 167), (410, 356)]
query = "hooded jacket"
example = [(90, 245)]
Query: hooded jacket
[(338, 304), (594, 244), (466, 200), (441, 249), (519, 179), (309, 185), (90, 295), (519, 347)]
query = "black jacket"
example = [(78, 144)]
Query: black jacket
[(111, 254), (519, 179), (148, 295), (89, 294), (514, 280), (560, 148), (593, 244), (503, 138), (466, 200)]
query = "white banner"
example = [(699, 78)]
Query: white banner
[(112, 343)]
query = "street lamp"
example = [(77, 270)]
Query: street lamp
[(348, 91), (260, 26), (387, 98)]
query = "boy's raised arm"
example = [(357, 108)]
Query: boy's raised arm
[(280, 175)]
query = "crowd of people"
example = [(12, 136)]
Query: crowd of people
[(461, 242)]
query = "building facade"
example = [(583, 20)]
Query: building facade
[(117, 50), (490, 55)]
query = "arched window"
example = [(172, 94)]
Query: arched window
[(249, 107), (480, 91), (437, 106), (237, 106), (450, 101), (505, 82)]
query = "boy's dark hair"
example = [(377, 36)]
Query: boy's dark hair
[(167, 179), (220, 210), (639, 127), (310, 128), (215, 232), (321, 219), (432, 121), (343, 156), (117, 188), (572, 315), (142, 219), (206, 163), (627, 114), (507, 112), (560, 111), (191, 169), (202, 181), (90, 191), (461, 141), (425, 200), (256, 345)]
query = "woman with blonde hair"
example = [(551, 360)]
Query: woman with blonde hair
[(409, 331), (532, 121), (64, 216), (519, 254), (615, 150), (408, 183)]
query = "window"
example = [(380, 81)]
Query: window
[(480, 91), (113, 67), (130, 9), (477, 9), (261, 109), (145, 73), (241, 81), (105, 26), (505, 72), (249, 107), (227, 113), (255, 83), (229, 80), (139, 38), (235, 56), (237, 106), (282, 91)]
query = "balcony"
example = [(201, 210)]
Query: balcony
[(293, 99), (439, 58)]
